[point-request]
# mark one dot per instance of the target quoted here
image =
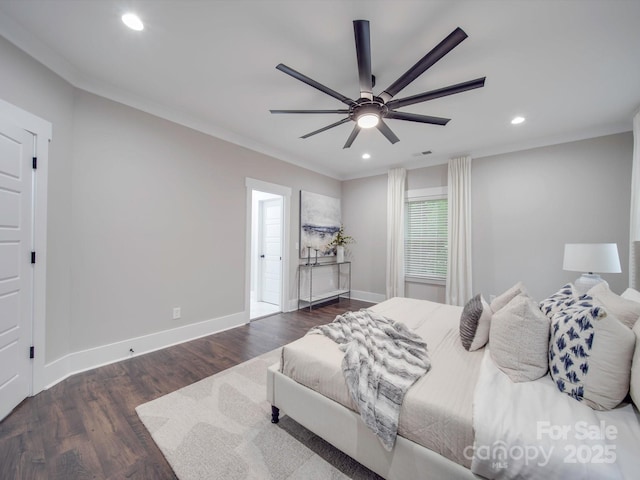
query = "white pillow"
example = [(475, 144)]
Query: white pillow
[(631, 294), (519, 340), (627, 311), (501, 300), (635, 368), (590, 354), (474, 323)]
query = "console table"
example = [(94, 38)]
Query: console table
[(340, 284)]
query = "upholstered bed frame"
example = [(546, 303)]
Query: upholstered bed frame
[(344, 429)]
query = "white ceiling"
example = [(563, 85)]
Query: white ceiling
[(572, 68)]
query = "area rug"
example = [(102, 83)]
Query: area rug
[(219, 428)]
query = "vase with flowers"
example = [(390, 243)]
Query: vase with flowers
[(339, 242)]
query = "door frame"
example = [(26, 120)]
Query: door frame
[(285, 192), (42, 132)]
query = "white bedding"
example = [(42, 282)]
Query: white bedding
[(464, 397), (437, 410), (531, 430)]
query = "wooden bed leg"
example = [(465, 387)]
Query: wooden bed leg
[(275, 413)]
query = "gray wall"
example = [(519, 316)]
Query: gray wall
[(526, 206), (364, 213), (144, 214), (427, 177), (159, 220)]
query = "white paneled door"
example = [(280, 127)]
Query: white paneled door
[(16, 271), (271, 248)]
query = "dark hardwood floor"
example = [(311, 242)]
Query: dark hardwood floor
[(86, 426)]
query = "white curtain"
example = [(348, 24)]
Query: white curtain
[(458, 290), (395, 232), (634, 226)]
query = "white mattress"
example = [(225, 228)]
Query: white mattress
[(438, 408)]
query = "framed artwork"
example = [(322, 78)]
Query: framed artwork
[(320, 219)]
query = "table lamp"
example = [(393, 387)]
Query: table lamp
[(593, 258)]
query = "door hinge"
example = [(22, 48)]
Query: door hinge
[(32, 351), (33, 257), (35, 163)]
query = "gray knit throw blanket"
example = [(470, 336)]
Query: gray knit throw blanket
[(382, 359)]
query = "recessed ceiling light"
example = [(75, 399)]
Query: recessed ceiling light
[(366, 156), (517, 120), (132, 21)]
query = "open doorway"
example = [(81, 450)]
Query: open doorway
[(266, 254), (267, 234)]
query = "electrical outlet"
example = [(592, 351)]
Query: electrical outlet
[(176, 313)]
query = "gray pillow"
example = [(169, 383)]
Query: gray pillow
[(519, 340), (474, 323)]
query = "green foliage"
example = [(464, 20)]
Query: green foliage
[(341, 239)]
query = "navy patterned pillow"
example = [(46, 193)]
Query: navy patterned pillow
[(590, 354), (563, 298)]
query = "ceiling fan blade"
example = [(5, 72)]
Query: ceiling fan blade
[(363, 52), (310, 111), (344, 120), (441, 92), (439, 51), (314, 84), (386, 131), (412, 117), (352, 137)]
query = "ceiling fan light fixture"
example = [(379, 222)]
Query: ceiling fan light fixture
[(368, 120), (369, 110), (133, 21), (367, 115)]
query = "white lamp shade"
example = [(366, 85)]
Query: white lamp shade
[(591, 257)]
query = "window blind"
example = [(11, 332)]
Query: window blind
[(426, 239)]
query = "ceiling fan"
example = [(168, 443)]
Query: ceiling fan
[(369, 110)]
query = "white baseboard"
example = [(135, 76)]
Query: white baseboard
[(368, 296), (293, 305), (76, 362), (81, 361)]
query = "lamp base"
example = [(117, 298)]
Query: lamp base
[(587, 281)]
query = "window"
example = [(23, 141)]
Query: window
[(425, 244)]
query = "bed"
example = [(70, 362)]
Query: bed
[(436, 429)]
